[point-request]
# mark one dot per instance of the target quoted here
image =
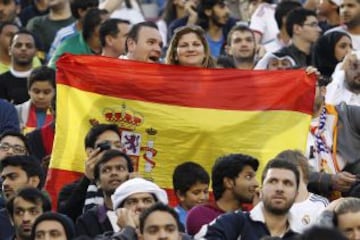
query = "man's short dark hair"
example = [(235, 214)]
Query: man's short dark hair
[(6, 23), (32, 195), (108, 155), (135, 29), (96, 131), (161, 207), (280, 163), (30, 165), (92, 19), (239, 28), (23, 31), (297, 158), (282, 10), (42, 74), (321, 233), (76, 5), (17, 135), (187, 175), (110, 27), (229, 166), (297, 16)]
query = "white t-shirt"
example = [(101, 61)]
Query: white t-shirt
[(307, 211), (263, 22)]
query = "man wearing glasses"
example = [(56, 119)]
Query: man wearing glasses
[(13, 143), (303, 29)]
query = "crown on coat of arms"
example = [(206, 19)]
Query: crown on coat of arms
[(124, 117)]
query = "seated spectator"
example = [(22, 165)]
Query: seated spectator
[(13, 143), (53, 226), (110, 172), (191, 187), (36, 112), (233, 182), (23, 209)]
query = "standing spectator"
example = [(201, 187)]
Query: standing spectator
[(45, 27), (350, 17), (36, 8), (36, 112), (303, 28), (191, 187), (189, 47), (85, 42), (241, 46), (113, 33), (143, 43), (282, 39), (78, 11), (9, 10), (13, 83), (328, 10), (263, 22), (7, 31)]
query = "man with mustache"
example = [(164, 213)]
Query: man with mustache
[(270, 217)]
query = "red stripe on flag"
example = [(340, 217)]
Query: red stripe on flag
[(228, 89), (56, 179)]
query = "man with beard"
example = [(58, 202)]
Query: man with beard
[(110, 172), (233, 183), (27, 205), (350, 17), (345, 86), (241, 47), (17, 172), (270, 217), (9, 9), (143, 43), (13, 83)]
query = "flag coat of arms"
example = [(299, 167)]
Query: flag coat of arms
[(171, 114)]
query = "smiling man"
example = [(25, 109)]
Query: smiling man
[(270, 217)]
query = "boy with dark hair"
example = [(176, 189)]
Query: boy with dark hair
[(191, 187), (24, 208), (13, 143), (233, 183), (36, 112)]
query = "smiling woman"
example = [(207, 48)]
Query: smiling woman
[(189, 47)]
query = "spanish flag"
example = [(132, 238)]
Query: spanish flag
[(171, 114)]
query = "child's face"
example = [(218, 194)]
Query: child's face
[(41, 94), (197, 194)]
